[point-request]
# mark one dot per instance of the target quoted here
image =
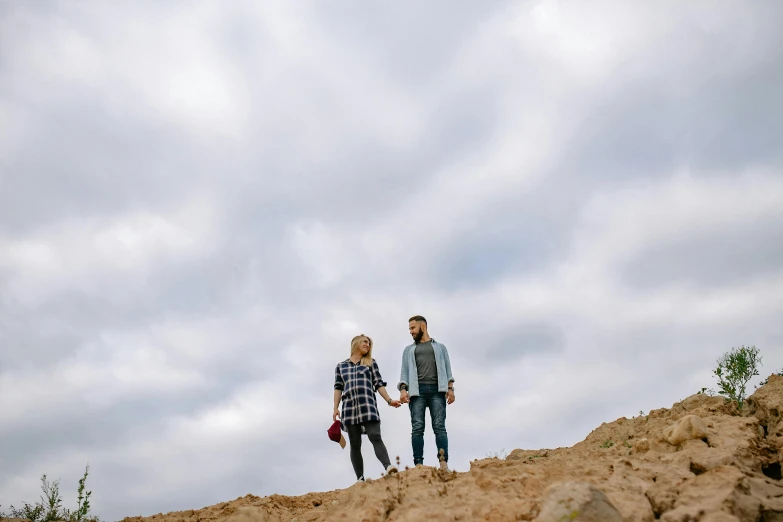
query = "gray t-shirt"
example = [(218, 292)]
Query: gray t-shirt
[(425, 363)]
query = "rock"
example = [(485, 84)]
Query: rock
[(771, 495), (662, 497), (766, 404), (520, 454), (720, 517), (687, 428), (724, 490), (251, 514), (577, 502), (642, 445), (705, 458), (626, 490)]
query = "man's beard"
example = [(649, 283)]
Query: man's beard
[(417, 337)]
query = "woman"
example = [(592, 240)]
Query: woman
[(355, 381)]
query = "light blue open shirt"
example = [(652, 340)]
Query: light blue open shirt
[(409, 375)]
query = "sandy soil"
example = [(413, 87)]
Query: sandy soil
[(699, 461)]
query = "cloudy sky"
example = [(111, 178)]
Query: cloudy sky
[(202, 202)]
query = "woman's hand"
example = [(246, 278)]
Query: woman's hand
[(335, 414), (395, 404)]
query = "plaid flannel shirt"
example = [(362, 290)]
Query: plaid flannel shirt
[(358, 384)]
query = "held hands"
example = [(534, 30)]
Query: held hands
[(404, 399), (395, 403)]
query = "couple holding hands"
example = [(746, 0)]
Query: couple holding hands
[(425, 382)]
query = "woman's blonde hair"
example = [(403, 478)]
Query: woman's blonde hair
[(366, 359)]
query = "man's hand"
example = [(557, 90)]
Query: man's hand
[(395, 404), (450, 397), (404, 399), (335, 414)]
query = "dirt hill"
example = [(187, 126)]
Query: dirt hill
[(699, 461)]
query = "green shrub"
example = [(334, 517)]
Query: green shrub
[(735, 369), (50, 507)]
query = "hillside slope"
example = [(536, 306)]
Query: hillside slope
[(700, 460)]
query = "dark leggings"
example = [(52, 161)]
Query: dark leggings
[(373, 430)]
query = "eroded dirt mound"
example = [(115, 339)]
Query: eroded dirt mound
[(699, 461)]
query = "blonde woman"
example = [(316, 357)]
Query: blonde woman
[(355, 381)]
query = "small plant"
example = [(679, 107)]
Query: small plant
[(735, 369), (706, 391), (607, 444), (29, 512), (50, 507), (83, 506), (52, 501), (627, 444), (765, 381), (502, 455)]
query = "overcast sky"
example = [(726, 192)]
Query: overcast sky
[(201, 203)]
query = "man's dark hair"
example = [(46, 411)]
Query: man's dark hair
[(418, 318)]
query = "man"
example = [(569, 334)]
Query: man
[(426, 382)]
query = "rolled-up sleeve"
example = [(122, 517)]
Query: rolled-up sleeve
[(449, 375), (377, 380), (403, 371), (339, 383)]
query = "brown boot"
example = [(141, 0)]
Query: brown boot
[(444, 465)]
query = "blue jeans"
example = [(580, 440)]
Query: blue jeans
[(428, 397)]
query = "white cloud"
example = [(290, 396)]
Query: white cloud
[(96, 378), (615, 226), (327, 255), (624, 220), (84, 253), (174, 64)]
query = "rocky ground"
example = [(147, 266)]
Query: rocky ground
[(699, 461)]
